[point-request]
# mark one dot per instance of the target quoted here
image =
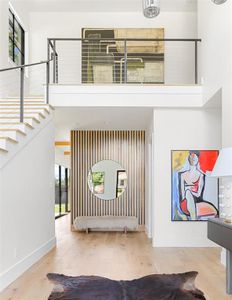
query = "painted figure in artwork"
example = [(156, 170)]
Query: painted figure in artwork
[(191, 187), (194, 195)]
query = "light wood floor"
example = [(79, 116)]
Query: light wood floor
[(117, 256)]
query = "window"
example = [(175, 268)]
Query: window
[(16, 40), (61, 191)]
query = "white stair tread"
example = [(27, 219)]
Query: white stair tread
[(14, 123), (3, 150), (25, 100), (24, 127), (12, 131), (5, 130), (10, 118), (26, 105), (16, 114), (7, 138), (26, 109)]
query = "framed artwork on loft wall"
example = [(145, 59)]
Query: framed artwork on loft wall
[(194, 193), (103, 57)]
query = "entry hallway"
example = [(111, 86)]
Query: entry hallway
[(117, 256)]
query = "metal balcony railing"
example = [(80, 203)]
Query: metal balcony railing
[(124, 61)]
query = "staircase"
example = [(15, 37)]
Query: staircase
[(12, 132)]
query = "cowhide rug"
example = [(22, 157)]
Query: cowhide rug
[(152, 287)]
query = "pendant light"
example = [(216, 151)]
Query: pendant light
[(219, 1), (151, 8)]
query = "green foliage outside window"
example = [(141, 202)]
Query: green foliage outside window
[(98, 178)]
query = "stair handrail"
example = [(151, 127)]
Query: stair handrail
[(26, 65), (22, 73)]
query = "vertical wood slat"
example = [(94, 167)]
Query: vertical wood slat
[(125, 147)]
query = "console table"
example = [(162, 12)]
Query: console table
[(221, 233)]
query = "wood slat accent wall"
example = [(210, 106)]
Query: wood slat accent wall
[(125, 147)]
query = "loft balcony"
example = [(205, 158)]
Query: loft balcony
[(126, 95), (103, 71), (86, 71)]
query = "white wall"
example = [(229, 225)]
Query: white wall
[(149, 178), (176, 129), (61, 159), (179, 58), (216, 61), (215, 29), (27, 206)]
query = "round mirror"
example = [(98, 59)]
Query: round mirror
[(107, 180)]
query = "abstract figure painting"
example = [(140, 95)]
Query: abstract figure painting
[(194, 192)]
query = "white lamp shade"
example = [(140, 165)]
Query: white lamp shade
[(223, 166)]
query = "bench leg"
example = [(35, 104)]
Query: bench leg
[(125, 229), (87, 230)]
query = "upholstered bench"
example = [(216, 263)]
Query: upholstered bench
[(107, 223)]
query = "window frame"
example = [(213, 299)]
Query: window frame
[(21, 47), (61, 189)]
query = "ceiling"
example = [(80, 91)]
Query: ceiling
[(95, 118), (104, 5)]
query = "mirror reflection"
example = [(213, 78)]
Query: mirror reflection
[(107, 179)]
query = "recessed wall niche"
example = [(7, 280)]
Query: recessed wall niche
[(125, 147)]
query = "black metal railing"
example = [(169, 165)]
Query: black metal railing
[(107, 60)]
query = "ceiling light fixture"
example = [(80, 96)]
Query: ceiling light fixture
[(219, 1), (151, 8)]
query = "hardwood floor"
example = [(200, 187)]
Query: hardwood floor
[(117, 256)]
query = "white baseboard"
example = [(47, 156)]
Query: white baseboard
[(10, 275), (147, 232)]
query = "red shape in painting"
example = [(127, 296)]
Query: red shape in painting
[(183, 206), (207, 160)]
